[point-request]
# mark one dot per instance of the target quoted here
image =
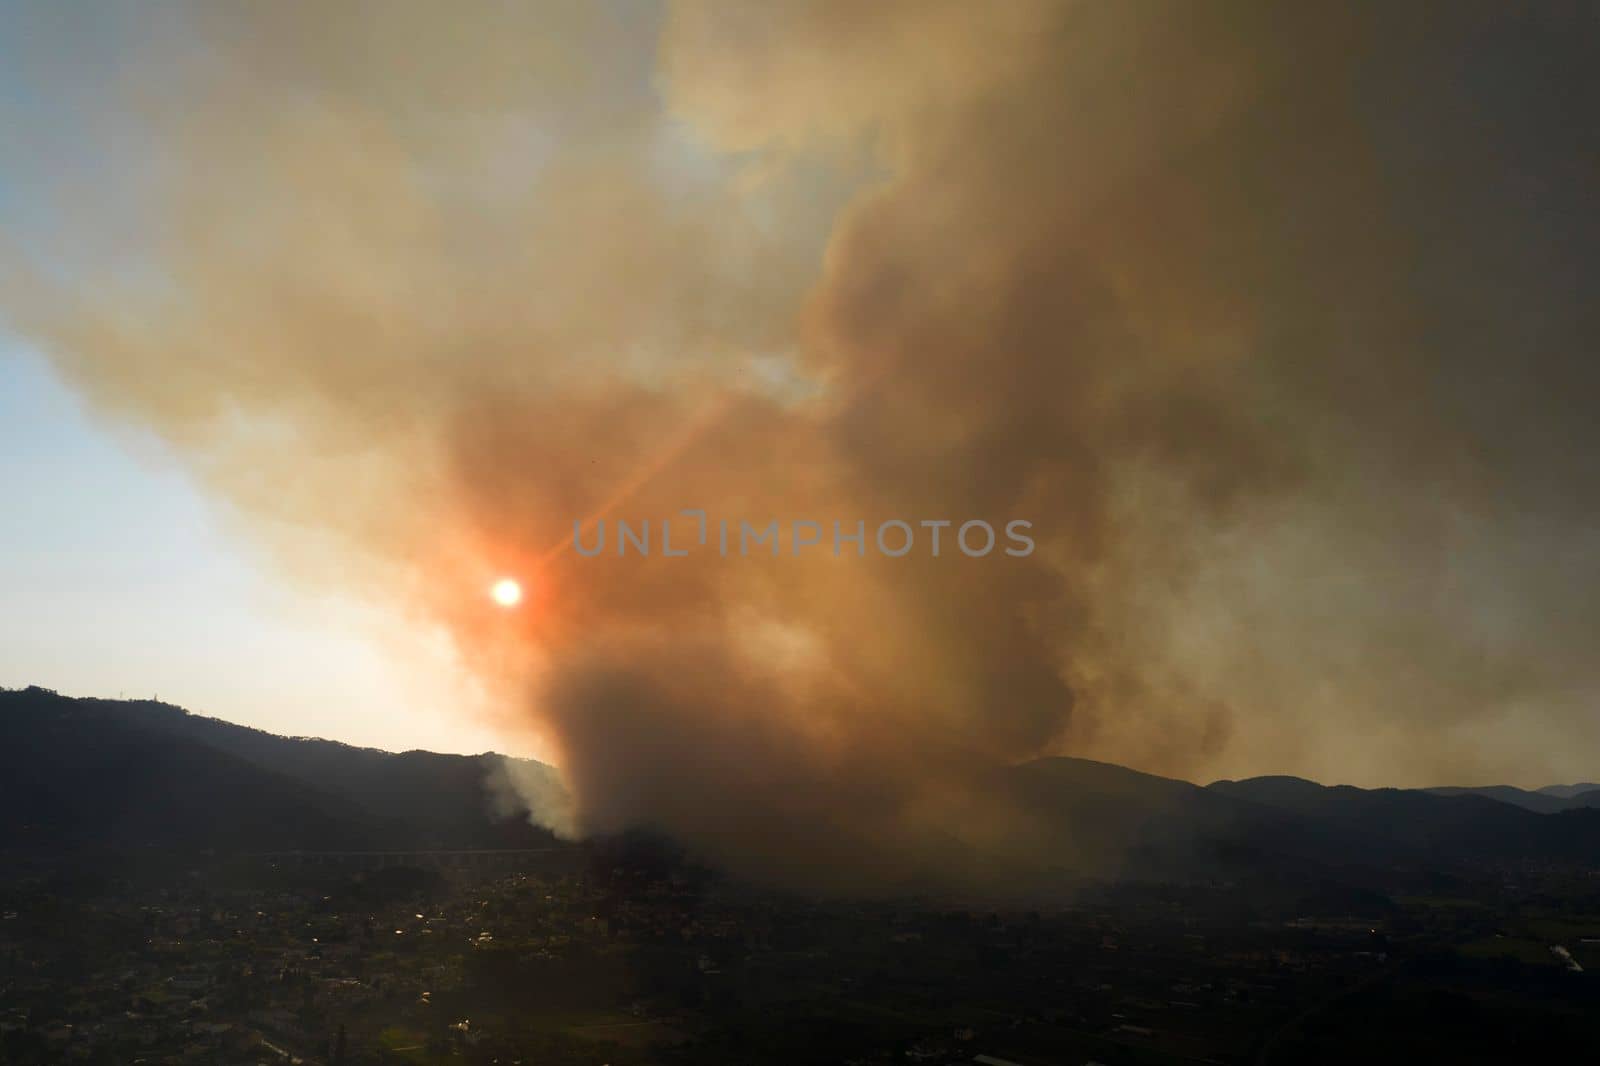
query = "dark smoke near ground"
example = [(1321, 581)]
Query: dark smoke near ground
[(1270, 318)]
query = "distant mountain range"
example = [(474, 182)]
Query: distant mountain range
[(1140, 825), (1547, 800), (1569, 791), (90, 773)]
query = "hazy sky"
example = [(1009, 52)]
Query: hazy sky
[(121, 579), (1275, 320)]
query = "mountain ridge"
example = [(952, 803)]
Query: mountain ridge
[(416, 799), (92, 772)]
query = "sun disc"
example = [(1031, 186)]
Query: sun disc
[(506, 592)]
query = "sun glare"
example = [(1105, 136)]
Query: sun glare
[(506, 592)]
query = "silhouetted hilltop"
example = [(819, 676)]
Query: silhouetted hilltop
[(75, 776), (85, 771)]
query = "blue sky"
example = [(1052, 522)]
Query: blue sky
[(119, 578)]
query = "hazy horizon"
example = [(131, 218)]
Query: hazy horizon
[(392, 749), (123, 580)]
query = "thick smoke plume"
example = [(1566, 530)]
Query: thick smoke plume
[(1270, 318)]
